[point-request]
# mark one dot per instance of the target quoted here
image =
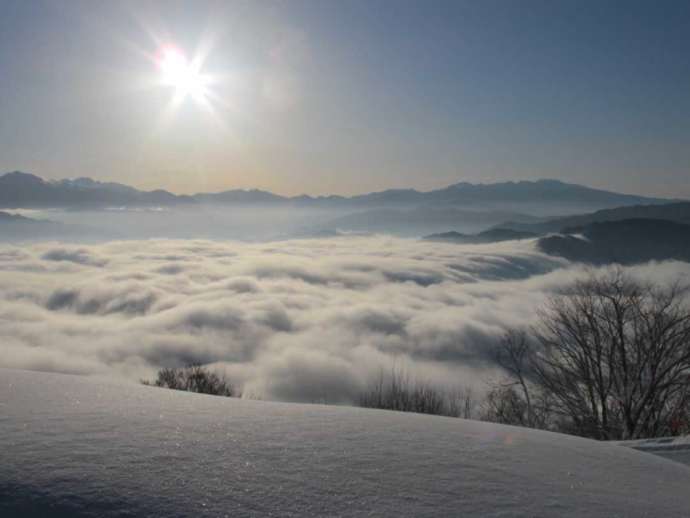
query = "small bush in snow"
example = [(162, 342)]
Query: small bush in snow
[(194, 378)]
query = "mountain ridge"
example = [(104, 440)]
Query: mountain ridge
[(627, 241), (494, 235), (678, 212), (24, 190)]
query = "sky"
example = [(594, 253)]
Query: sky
[(348, 97)]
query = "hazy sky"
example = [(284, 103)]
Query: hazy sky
[(350, 96)]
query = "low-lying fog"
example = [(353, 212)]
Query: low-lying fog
[(256, 223), (205, 222), (304, 320)]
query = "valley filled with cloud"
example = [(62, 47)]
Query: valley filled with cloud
[(299, 320)]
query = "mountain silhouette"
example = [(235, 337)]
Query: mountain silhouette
[(494, 235), (678, 212), (626, 241), (22, 190)]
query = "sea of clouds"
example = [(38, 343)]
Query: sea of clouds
[(300, 320)]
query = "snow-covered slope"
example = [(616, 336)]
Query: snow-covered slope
[(676, 448), (76, 446)]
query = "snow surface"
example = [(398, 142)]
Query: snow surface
[(79, 446), (676, 448)]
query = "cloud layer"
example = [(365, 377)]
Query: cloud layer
[(307, 320)]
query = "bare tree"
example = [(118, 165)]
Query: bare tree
[(614, 354), (513, 354)]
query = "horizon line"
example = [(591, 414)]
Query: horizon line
[(332, 195)]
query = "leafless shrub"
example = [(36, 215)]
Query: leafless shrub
[(194, 378), (398, 391), (461, 402), (504, 405)]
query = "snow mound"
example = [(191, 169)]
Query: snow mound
[(76, 446), (675, 448)]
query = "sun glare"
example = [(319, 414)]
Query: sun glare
[(182, 75)]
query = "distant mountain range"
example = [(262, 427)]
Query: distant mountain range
[(624, 235), (22, 190), (623, 241), (678, 212), (626, 241), (459, 213)]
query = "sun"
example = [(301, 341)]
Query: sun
[(184, 76), (189, 83)]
